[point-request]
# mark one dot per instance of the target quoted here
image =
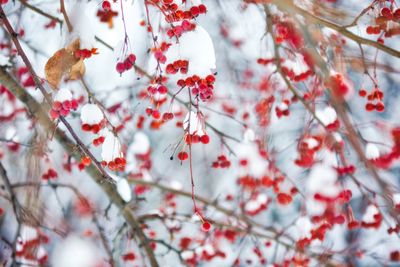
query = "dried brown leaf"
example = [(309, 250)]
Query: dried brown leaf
[(64, 64)]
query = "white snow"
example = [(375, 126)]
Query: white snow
[(74, 251), (327, 115), (371, 151), (368, 216), (82, 25), (124, 190), (4, 61), (111, 147), (140, 144), (322, 179), (91, 114), (249, 136), (196, 47), (62, 95), (196, 124)]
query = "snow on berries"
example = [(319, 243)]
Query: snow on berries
[(111, 152), (63, 104), (92, 118), (329, 118), (371, 151), (194, 127)]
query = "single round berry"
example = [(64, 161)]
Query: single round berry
[(120, 67), (106, 6), (183, 156), (206, 226), (205, 139)]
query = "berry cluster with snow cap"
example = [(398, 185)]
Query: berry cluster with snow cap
[(63, 104)]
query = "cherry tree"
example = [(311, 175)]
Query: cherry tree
[(199, 133)]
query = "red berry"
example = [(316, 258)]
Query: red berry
[(156, 114), (120, 67), (131, 58), (205, 139), (86, 161), (369, 107), (206, 226), (86, 127), (106, 6), (380, 107), (362, 93), (57, 105), (183, 155)]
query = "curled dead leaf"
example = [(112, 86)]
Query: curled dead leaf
[(64, 64)]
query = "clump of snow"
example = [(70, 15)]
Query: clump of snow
[(62, 95), (257, 165), (91, 114), (187, 254), (303, 226), (194, 124), (369, 214), (124, 189), (74, 251), (249, 136), (256, 204), (311, 142), (327, 115), (4, 61), (196, 47), (140, 144), (176, 185), (111, 147), (82, 25), (322, 179), (371, 151)]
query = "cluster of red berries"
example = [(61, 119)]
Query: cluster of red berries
[(118, 164), (127, 64), (284, 199), (178, 30), (338, 85), (386, 15), (346, 170), (286, 31), (153, 113), (160, 57), (265, 61), (200, 87), (50, 174), (283, 110), (85, 53), (221, 162), (167, 116), (62, 109), (179, 65), (195, 138), (98, 141), (161, 89), (175, 14), (375, 96), (85, 162), (94, 128), (3, 2)]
